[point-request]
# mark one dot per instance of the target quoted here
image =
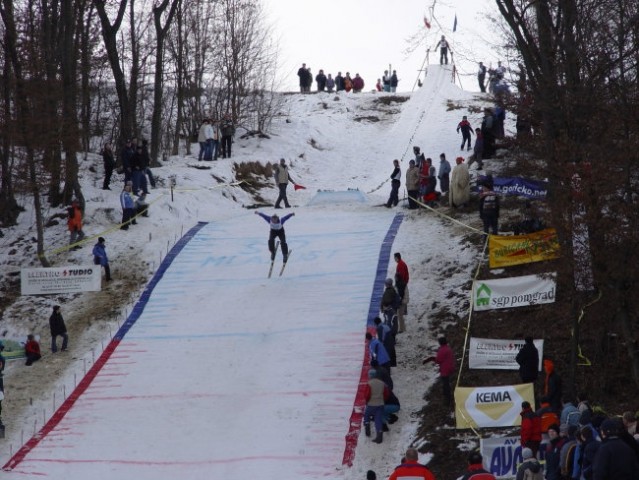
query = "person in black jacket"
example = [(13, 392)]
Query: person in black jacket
[(489, 209), (396, 176), (109, 165), (614, 460), (227, 129), (476, 469), (58, 328), (528, 360), (320, 78)]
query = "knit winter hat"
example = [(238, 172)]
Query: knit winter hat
[(526, 453), (372, 373), (389, 282)]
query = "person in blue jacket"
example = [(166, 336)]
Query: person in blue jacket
[(128, 207), (276, 231), (100, 257)]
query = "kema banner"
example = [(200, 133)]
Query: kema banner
[(514, 292), (498, 406), (507, 251)]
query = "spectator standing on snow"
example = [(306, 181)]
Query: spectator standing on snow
[(58, 329), (126, 154), (74, 223), (302, 73), (108, 160), (201, 139), (444, 174), (420, 158), (412, 184), (443, 50), (401, 282), (147, 163), (528, 360), (348, 82), (227, 129), (476, 468), (330, 84), (411, 469), (358, 84), (32, 350), (387, 336), (446, 361), (282, 177), (390, 304), (320, 78), (478, 150), (396, 177), (100, 257), (386, 81), (128, 207), (459, 184), (276, 230), (339, 82), (466, 131), (488, 132), (138, 176), (393, 82), (489, 208), (375, 392), (378, 85), (481, 77)]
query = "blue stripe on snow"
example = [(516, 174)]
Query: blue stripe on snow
[(382, 268), (166, 263)]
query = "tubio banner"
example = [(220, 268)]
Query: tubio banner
[(506, 251), (499, 406), (492, 354), (44, 281), (502, 455), (514, 292)]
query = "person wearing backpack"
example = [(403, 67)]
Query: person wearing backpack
[(530, 469)]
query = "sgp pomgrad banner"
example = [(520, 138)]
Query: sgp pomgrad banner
[(514, 292), (499, 406), (44, 281), (493, 354), (506, 251)]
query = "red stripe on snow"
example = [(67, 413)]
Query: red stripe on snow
[(355, 424), (64, 408)]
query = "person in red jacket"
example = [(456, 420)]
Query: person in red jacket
[(74, 223), (401, 283), (530, 428), (446, 361), (411, 469), (32, 350)]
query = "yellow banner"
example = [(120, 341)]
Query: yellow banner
[(517, 249), (482, 407)]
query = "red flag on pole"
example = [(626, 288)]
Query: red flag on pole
[(426, 22), (298, 187)]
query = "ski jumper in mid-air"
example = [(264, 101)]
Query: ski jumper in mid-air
[(277, 231)]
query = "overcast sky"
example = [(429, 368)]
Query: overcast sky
[(365, 36)]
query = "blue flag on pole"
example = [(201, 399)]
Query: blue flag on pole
[(455, 24)]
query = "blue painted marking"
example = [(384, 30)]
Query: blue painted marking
[(382, 268), (166, 263)]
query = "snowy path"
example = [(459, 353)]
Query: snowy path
[(226, 374)]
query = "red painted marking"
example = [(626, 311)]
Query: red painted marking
[(64, 408)]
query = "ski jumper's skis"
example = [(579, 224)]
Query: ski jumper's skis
[(270, 270), (285, 261)]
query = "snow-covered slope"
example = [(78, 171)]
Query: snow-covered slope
[(332, 142)]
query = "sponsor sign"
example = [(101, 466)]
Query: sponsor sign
[(520, 187), (499, 406), (506, 251), (502, 455), (491, 354), (43, 281), (514, 292)]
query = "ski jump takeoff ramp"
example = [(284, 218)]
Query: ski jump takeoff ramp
[(221, 373)]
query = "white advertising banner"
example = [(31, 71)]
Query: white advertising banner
[(502, 455), (498, 406), (514, 292), (491, 354), (44, 281)]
